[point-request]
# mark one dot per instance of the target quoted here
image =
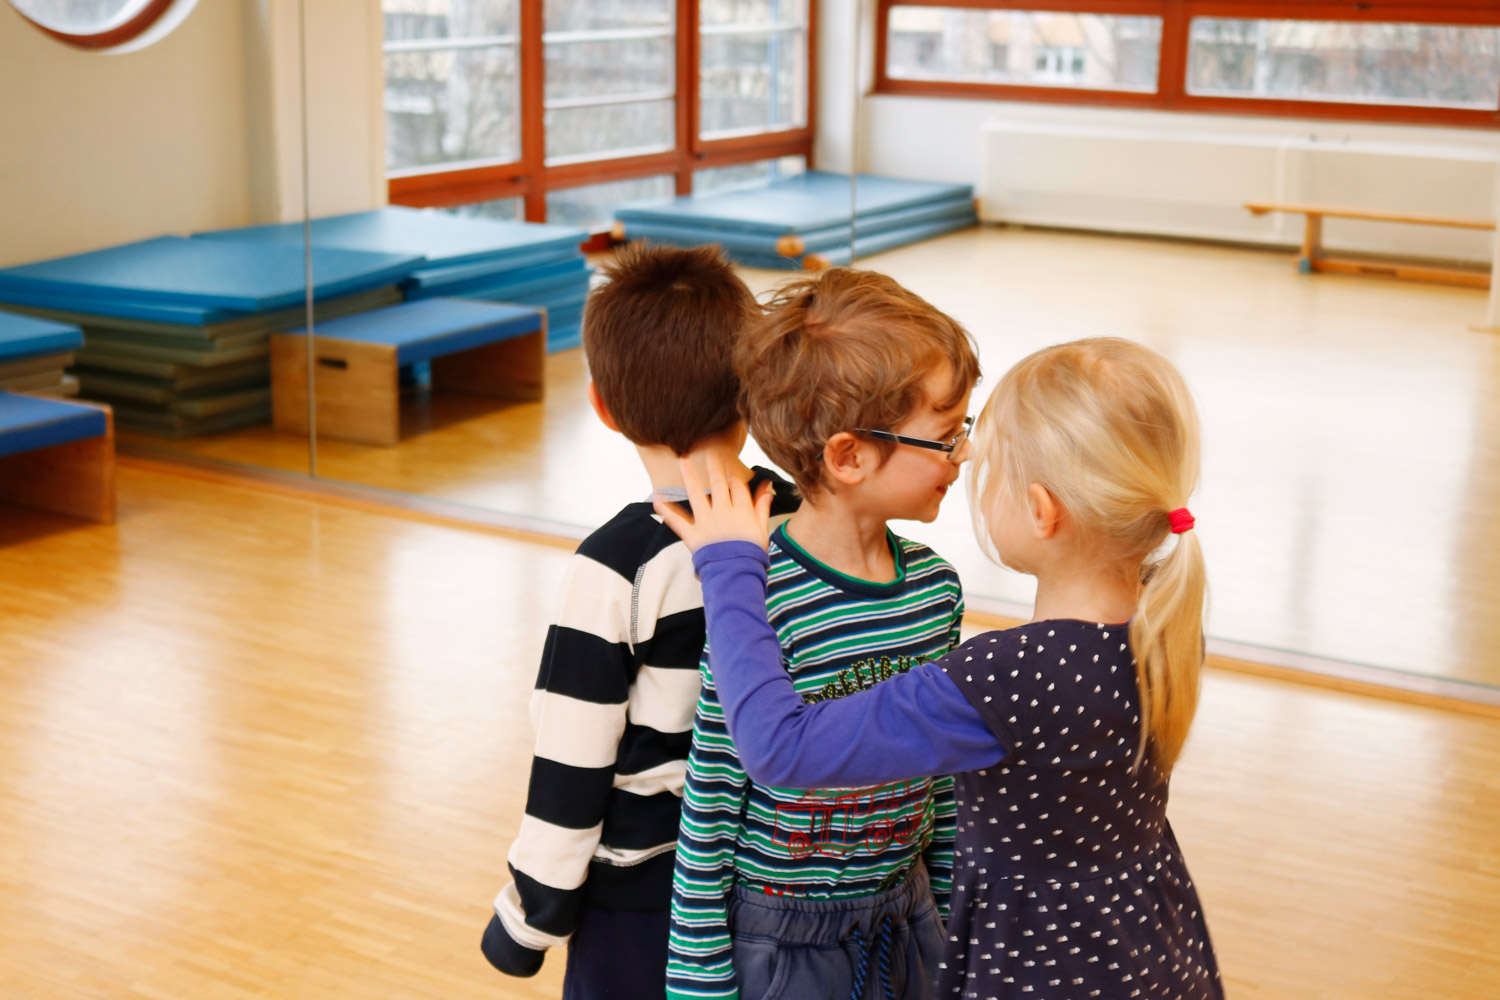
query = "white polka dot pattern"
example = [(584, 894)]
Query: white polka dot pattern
[(1067, 880)]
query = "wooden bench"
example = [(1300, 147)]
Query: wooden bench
[(1313, 258), (58, 456), (474, 347)]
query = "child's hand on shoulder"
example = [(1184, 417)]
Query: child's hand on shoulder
[(725, 513)]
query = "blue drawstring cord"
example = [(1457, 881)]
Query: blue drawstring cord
[(878, 948)]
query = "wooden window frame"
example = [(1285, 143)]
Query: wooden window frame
[(530, 178), (127, 31), (1171, 93)]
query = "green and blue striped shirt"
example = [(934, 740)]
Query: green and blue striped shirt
[(838, 635)]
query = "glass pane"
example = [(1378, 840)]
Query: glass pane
[(1429, 64), (609, 130), (592, 15), (744, 175), (594, 69), (1032, 48), (593, 207), (599, 57), (752, 81), (80, 17), (505, 209), (717, 12), (451, 105), (408, 20)]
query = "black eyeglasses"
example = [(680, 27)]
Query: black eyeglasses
[(949, 447)]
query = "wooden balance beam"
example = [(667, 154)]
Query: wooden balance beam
[(1312, 257)]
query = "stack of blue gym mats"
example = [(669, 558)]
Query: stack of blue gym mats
[(177, 329), (814, 207), (525, 263), (35, 353)]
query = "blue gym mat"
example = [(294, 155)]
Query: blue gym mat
[(180, 271), (421, 331), (28, 337), (518, 282), (440, 238), (438, 280), (813, 241), (562, 336), (810, 201), (866, 246), (31, 422)]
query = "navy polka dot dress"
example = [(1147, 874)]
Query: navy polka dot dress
[(1067, 881)]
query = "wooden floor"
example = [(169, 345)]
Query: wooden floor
[(257, 745), (1350, 503)]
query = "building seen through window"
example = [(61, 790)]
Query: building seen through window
[(1437, 64), (1024, 47)]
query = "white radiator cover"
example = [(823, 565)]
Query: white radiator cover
[(1195, 183)]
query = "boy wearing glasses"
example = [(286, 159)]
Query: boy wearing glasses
[(618, 686), (860, 390)]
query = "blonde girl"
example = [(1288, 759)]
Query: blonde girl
[(1061, 733)]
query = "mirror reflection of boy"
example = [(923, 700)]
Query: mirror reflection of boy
[(614, 700), (860, 390)]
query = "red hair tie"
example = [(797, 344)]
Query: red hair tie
[(1181, 520)]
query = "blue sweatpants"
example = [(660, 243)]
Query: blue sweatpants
[(881, 947)]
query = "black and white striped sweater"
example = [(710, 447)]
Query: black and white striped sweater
[(613, 715)]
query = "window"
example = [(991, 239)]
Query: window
[(753, 65), (1438, 65), (611, 78), (101, 24), (1023, 47), (452, 83), (560, 105), (748, 174), (1428, 63)]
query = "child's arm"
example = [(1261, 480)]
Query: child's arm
[(938, 857), (578, 710), (912, 725), (699, 954)]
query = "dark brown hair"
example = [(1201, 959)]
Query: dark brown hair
[(659, 336), (841, 350)]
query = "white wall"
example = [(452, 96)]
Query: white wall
[(200, 130), (1140, 171), (1444, 171)]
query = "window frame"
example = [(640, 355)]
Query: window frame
[(127, 31), (1171, 92), (531, 178)]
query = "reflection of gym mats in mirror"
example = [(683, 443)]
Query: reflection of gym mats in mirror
[(194, 366), (179, 271), (460, 257), (439, 238), (57, 456), (34, 354), (804, 220), (469, 347)]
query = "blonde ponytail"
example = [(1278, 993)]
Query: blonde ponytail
[(1109, 428), (1166, 637)]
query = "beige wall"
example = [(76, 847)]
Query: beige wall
[(98, 149), (200, 130)]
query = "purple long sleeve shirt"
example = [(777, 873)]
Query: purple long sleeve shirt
[(911, 725)]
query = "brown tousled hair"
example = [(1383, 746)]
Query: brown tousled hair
[(840, 350), (659, 337)]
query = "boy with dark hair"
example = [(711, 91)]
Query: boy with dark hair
[(615, 696), (860, 390)]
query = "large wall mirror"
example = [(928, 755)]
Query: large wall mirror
[(1110, 156), (1351, 423), (158, 123)]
